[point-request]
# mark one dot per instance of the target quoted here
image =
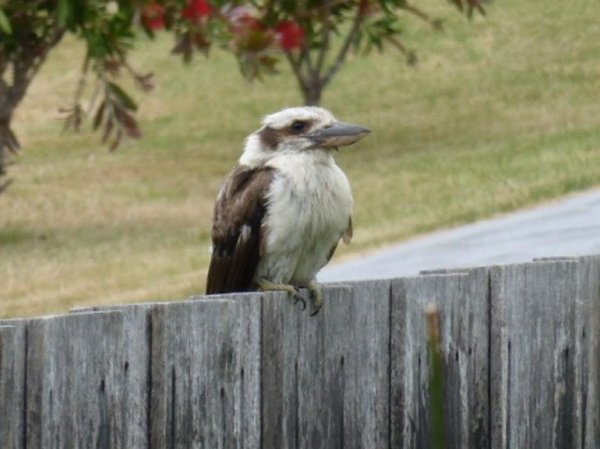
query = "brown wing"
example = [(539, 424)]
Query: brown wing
[(237, 230), (346, 238)]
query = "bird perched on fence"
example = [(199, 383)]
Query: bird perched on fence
[(282, 211)]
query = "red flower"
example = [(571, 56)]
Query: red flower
[(153, 16), (197, 10), (290, 35)]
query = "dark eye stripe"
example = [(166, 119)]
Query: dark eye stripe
[(270, 138)]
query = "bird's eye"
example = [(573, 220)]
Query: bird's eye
[(298, 126)]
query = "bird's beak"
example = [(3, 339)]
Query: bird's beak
[(338, 135)]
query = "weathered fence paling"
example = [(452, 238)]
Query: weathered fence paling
[(520, 346)]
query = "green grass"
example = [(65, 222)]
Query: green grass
[(500, 113)]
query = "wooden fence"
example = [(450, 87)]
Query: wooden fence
[(521, 348)]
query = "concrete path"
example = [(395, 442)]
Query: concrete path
[(568, 227)]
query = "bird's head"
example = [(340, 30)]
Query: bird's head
[(300, 129)]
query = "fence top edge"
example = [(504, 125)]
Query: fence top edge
[(13, 321), (430, 275), (228, 297), (446, 272), (351, 283), (68, 315), (555, 259), (538, 263), (233, 296), (147, 306)]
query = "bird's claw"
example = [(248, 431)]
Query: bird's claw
[(297, 297), (313, 289), (291, 290), (317, 297), (316, 310)]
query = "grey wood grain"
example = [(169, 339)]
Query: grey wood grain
[(326, 378), (462, 299), (205, 374), (521, 347), (533, 373), (136, 326), (79, 390), (587, 354), (12, 383)]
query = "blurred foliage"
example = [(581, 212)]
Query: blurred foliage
[(314, 36)]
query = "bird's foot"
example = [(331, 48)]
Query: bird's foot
[(268, 286), (316, 294)]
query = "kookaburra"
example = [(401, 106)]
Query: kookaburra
[(283, 209)]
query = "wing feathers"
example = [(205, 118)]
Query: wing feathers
[(347, 235), (237, 230), (346, 238)]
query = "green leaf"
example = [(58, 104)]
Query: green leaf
[(125, 99), (5, 23), (64, 12), (288, 6)]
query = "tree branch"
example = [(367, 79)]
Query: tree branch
[(3, 62), (306, 58), (297, 69), (325, 36), (435, 23), (411, 57), (341, 56), (27, 63)]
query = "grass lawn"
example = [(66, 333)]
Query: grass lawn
[(500, 113)]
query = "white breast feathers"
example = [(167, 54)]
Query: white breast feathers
[(309, 208)]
